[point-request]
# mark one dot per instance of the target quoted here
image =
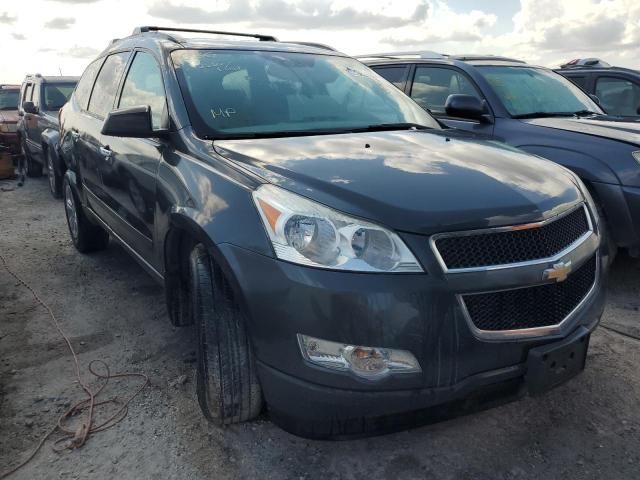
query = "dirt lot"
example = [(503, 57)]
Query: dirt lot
[(589, 428)]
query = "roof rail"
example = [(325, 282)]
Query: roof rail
[(312, 44), (145, 29), (470, 58), (413, 54)]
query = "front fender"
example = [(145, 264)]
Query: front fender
[(584, 165)]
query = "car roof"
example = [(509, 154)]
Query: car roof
[(51, 79), (587, 68), (158, 40), (474, 60)]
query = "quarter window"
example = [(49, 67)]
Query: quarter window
[(143, 86), (619, 96), (395, 75), (104, 91), (83, 89), (433, 85), (579, 81), (28, 93)]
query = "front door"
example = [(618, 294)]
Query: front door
[(130, 165), (431, 87)]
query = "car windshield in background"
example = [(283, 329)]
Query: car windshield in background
[(535, 92), (255, 93), (57, 94), (9, 99)]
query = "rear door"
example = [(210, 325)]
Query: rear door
[(431, 86), (93, 153), (129, 170)]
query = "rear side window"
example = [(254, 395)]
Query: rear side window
[(83, 89), (433, 85), (56, 95), (104, 91), (143, 86), (619, 96), (395, 75)]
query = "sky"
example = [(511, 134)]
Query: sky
[(62, 36)]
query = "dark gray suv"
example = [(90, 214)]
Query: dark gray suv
[(345, 261), (538, 111)]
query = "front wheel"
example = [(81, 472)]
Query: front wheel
[(86, 236), (55, 179), (227, 383)]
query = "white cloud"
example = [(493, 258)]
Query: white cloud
[(546, 32)]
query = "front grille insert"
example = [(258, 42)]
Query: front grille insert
[(509, 245), (531, 307)]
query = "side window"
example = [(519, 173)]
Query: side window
[(28, 93), (395, 75), (83, 89), (143, 86), (433, 85), (579, 81), (619, 96), (104, 91)]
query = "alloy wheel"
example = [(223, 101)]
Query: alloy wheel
[(70, 208)]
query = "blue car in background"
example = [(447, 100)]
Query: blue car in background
[(537, 110)]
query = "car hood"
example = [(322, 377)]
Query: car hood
[(412, 181), (614, 128), (9, 116)]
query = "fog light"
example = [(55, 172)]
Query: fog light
[(366, 362)]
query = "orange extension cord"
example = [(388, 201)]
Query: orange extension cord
[(76, 438)]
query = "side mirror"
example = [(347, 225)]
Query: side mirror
[(466, 106), (595, 99), (132, 122), (29, 107)]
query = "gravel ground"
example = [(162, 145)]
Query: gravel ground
[(111, 310)]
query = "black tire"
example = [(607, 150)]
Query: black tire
[(227, 383), (55, 179), (86, 236), (606, 234), (33, 168)]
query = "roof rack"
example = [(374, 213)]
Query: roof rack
[(471, 58), (586, 62), (394, 55), (145, 29), (312, 44)]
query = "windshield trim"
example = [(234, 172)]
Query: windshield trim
[(597, 110), (202, 130)]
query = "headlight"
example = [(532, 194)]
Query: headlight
[(308, 233), (636, 155)]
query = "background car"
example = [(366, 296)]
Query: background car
[(40, 100), (9, 95), (536, 110), (329, 240), (617, 88)]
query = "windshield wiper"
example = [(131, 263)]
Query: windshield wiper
[(544, 114), (390, 126), (585, 113)]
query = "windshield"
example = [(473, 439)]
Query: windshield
[(526, 91), (9, 99), (251, 93), (57, 94)]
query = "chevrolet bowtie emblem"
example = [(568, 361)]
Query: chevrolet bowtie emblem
[(559, 272)]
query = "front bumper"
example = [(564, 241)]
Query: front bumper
[(415, 312)]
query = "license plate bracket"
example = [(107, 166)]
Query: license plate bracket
[(551, 365)]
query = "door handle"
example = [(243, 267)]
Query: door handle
[(75, 135), (105, 151)]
